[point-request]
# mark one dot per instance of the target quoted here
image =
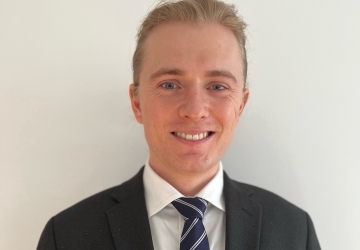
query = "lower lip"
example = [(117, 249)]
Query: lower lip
[(193, 142)]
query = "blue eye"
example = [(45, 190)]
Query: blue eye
[(217, 87), (168, 85)]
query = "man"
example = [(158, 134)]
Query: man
[(189, 93)]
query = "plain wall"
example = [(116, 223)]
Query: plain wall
[(67, 130)]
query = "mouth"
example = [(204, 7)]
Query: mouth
[(194, 137)]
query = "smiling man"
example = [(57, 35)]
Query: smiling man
[(189, 92), (190, 98)]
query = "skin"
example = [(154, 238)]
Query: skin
[(191, 82)]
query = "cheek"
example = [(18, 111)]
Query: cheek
[(161, 108), (156, 113), (226, 111)]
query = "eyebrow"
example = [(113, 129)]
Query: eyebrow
[(166, 71), (222, 73), (178, 72)]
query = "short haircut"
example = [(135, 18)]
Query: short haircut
[(193, 11)]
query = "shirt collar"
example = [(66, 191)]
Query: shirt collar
[(159, 193)]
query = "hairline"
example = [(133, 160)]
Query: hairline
[(142, 48)]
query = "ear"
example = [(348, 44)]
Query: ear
[(244, 101), (135, 103)]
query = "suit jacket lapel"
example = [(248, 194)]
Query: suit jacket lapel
[(243, 217), (128, 219)]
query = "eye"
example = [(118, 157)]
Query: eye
[(169, 85), (218, 87)]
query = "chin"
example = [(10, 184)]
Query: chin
[(196, 165)]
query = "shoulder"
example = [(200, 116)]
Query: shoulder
[(96, 203), (281, 223), (275, 210), (266, 198), (86, 224), (102, 201)]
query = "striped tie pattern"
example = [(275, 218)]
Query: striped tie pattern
[(193, 235)]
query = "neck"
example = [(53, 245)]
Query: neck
[(188, 183)]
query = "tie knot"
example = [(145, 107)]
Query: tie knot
[(190, 207)]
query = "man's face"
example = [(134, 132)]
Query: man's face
[(190, 95)]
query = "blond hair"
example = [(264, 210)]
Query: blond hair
[(196, 11)]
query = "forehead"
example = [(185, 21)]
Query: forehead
[(191, 47)]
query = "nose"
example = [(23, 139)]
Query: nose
[(195, 105)]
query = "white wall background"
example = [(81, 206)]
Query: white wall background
[(67, 130)]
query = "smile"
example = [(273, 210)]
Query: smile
[(195, 137)]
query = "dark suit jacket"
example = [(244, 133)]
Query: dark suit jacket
[(117, 219)]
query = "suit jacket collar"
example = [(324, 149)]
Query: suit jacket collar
[(128, 219), (130, 226), (243, 217)]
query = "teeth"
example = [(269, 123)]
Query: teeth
[(192, 137)]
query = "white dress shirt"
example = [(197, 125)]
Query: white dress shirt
[(165, 221)]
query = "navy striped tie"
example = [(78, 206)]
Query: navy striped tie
[(193, 235)]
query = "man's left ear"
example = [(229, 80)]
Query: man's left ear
[(245, 98)]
